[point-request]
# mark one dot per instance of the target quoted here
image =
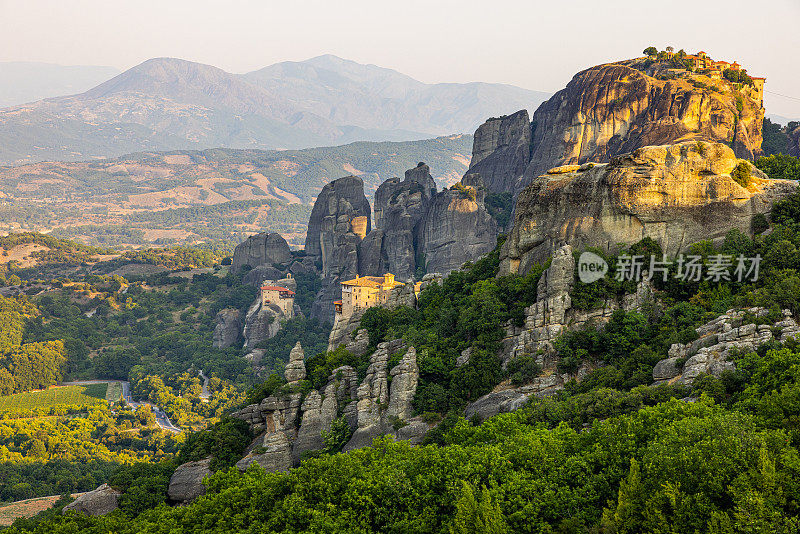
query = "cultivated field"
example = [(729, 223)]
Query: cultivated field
[(55, 396)]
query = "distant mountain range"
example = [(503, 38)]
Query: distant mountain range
[(172, 104)]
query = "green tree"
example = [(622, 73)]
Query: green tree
[(477, 515)]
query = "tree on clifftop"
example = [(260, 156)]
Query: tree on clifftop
[(650, 51)]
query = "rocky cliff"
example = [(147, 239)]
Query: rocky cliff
[(339, 221), (266, 248), (545, 320), (228, 328), (501, 151), (263, 321), (676, 194), (399, 206), (612, 109), (456, 228), (290, 423)]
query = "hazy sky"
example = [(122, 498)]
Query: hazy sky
[(538, 45)]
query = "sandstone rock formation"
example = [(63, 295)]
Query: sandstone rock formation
[(272, 452), (501, 151), (263, 321), (266, 248), (616, 108), (290, 424), (456, 228), (709, 353), (612, 109), (545, 320), (399, 206), (99, 501), (344, 333), (339, 221), (675, 194), (296, 368), (228, 328), (186, 483)]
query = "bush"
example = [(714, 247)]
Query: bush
[(741, 174), (523, 369)]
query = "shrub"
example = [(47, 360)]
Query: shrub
[(523, 369), (741, 174)]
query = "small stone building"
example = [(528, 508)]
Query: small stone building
[(282, 297)]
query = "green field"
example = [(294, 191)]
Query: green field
[(55, 396), (114, 392)]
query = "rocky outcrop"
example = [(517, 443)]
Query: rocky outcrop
[(709, 353), (373, 397), (186, 483), (266, 248), (228, 328), (675, 194), (613, 109), (309, 435), (100, 501), (501, 151), (399, 206), (616, 108), (404, 377), (262, 322), (271, 451), (339, 221), (456, 228), (289, 424), (512, 399), (295, 370), (346, 332)]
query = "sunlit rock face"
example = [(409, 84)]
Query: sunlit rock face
[(675, 194)]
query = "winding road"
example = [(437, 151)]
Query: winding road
[(205, 395), (161, 418)]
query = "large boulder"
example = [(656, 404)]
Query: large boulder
[(186, 483), (100, 501), (456, 228), (501, 151), (266, 248), (228, 328), (340, 219), (675, 194)]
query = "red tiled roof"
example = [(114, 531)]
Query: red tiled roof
[(277, 288)]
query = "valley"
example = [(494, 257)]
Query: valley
[(215, 196)]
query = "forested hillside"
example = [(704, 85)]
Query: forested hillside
[(609, 453)]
